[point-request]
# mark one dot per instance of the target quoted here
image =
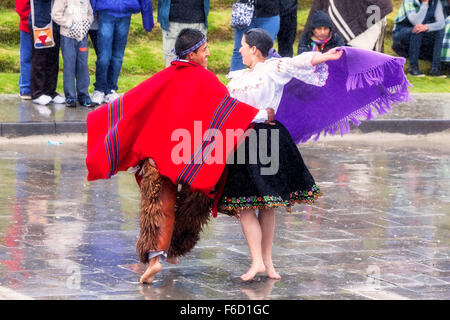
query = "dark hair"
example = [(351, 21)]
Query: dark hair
[(187, 38), (260, 39)]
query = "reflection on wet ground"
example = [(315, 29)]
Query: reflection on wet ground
[(381, 230)]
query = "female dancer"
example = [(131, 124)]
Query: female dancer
[(247, 187)]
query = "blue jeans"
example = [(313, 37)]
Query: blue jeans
[(270, 24), (25, 63), (111, 41), (75, 58), (424, 45)]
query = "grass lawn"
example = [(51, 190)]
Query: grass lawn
[(143, 55)]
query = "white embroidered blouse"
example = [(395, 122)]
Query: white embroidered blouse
[(263, 87)]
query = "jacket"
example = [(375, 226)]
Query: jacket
[(287, 6), (42, 11), (67, 12), (320, 18), (267, 8), (130, 7), (164, 12), (349, 17), (23, 9)]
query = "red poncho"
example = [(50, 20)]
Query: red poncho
[(154, 119)]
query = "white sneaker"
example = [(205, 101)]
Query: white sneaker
[(110, 97), (59, 99), (98, 97), (43, 100)]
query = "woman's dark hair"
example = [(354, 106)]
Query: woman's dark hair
[(260, 39), (187, 38)]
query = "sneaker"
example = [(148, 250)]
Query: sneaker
[(71, 103), (87, 103), (98, 97), (25, 96), (58, 99), (110, 97), (414, 71), (436, 73), (43, 100)]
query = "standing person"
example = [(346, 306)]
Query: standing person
[(419, 30), (298, 98), (74, 18), (23, 9), (266, 16), (175, 15), (321, 36), (44, 54), (140, 129), (288, 27), (113, 25)]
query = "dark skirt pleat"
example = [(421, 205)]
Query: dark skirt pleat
[(247, 188)]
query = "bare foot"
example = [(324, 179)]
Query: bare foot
[(172, 260), (149, 274), (254, 269), (270, 270)]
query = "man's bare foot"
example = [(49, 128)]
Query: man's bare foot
[(172, 260), (254, 269), (149, 274)]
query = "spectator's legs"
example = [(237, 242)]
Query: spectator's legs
[(236, 58), (414, 49), (105, 44), (25, 63), (170, 36), (401, 40), (52, 65), (121, 28), (69, 49), (82, 71), (287, 33), (438, 38)]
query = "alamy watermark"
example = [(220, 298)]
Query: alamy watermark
[(212, 143)]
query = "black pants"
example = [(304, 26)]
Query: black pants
[(287, 33), (45, 68)]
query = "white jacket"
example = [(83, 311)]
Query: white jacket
[(74, 17)]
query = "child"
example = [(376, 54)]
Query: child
[(74, 18)]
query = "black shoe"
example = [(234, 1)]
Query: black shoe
[(71, 103), (436, 73), (87, 103), (414, 71)]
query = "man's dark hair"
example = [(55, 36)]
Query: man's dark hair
[(260, 39), (187, 38)]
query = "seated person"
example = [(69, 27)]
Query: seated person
[(320, 37), (418, 34)]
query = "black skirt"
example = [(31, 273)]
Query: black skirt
[(273, 173)]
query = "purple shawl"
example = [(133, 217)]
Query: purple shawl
[(359, 82)]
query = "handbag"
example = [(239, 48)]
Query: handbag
[(79, 30), (42, 37), (242, 14)]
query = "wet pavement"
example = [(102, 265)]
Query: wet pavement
[(380, 231), (425, 113)]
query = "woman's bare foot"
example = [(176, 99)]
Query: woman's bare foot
[(152, 270), (254, 269), (270, 271), (172, 260)]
